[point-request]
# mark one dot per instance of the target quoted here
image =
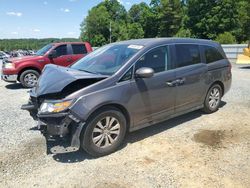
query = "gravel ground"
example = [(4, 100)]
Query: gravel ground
[(193, 150)]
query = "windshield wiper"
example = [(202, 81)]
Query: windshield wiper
[(88, 71)]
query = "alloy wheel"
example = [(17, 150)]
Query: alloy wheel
[(214, 98), (30, 79), (106, 132)]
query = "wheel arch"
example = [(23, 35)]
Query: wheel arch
[(220, 83), (117, 106), (27, 68)]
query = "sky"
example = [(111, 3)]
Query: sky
[(46, 18)]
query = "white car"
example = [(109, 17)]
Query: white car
[(3, 55)]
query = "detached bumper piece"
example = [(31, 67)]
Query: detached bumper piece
[(66, 144), (62, 132)]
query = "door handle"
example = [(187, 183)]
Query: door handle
[(177, 82), (180, 81), (171, 84)]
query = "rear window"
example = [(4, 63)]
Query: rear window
[(79, 49), (212, 54), (187, 54)]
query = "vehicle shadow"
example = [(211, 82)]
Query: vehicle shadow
[(14, 86), (136, 136), (160, 127), (246, 67), (72, 157), (163, 126)]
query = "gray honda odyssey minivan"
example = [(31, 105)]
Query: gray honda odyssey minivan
[(125, 86)]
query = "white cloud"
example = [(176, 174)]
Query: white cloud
[(65, 10), (18, 14), (36, 30), (45, 2), (14, 33), (128, 3)]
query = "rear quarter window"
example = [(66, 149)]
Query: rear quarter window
[(212, 54), (79, 49), (187, 54)]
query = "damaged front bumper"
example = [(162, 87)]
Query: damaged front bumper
[(63, 129)]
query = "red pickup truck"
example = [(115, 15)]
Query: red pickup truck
[(28, 68)]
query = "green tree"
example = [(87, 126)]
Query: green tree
[(167, 16), (99, 40), (209, 18), (170, 17), (242, 33), (143, 15), (184, 33), (115, 9), (100, 18), (96, 25), (226, 38), (135, 31)]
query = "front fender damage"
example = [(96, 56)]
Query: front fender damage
[(62, 130)]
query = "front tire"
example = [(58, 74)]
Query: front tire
[(104, 133), (213, 99), (29, 78)]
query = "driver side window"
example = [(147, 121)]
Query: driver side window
[(157, 59), (61, 50)]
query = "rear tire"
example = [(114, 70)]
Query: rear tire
[(213, 99), (104, 132), (29, 78)]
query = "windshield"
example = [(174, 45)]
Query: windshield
[(107, 59), (43, 51)]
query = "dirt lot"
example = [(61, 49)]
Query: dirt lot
[(194, 150)]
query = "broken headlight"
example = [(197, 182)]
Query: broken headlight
[(55, 106)]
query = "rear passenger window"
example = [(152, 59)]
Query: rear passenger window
[(187, 54), (61, 50), (156, 59), (212, 54), (79, 49)]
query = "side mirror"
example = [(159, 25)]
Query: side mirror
[(144, 72), (52, 54)]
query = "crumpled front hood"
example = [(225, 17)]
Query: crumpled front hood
[(55, 78)]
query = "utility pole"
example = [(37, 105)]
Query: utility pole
[(110, 32)]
